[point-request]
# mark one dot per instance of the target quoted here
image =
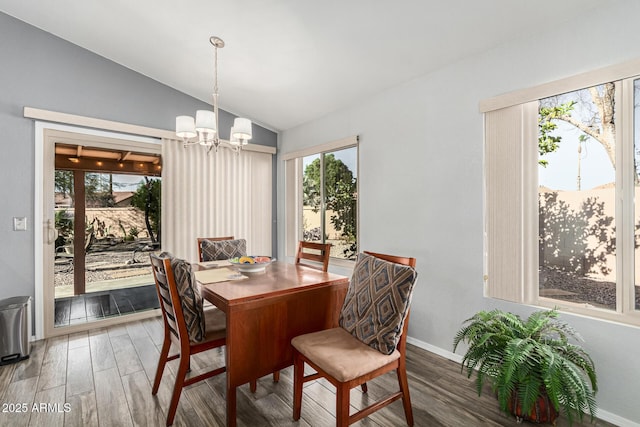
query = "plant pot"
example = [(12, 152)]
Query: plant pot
[(543, 410)]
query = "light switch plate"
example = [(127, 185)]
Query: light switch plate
[(19, 223)]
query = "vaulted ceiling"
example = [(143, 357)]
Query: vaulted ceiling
[(287, 62)]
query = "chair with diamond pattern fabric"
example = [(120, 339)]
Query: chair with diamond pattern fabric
[(220, 248), (186, 324), (370, 341)]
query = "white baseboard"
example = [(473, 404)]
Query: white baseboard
[(615, 419), (602, 414), (433, 349)]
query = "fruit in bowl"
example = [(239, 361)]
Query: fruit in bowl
[(251, 264), (244, 260)]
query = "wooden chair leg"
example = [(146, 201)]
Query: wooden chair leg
[(276, 376), (406, 399), (364, 387), (177, 388), (253, 385), (342, 405), (162, 361), (298, 373)]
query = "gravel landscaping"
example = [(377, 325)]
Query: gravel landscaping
[(569, 287), (106, 262)]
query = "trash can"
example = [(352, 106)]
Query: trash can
[(14, 333)]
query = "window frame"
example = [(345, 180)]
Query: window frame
[(524, 266), (293, 193)]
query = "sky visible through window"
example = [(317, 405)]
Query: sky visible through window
[(595, 167), (592, 162), (348, 157), (123, 182)]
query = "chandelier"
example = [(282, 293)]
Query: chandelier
[(204, 129)]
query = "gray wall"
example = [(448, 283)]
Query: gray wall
[(421, 173), (42, 71)]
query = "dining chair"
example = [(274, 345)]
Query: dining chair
[(316, 252), (370, 340), (186, 324), (204, 254)]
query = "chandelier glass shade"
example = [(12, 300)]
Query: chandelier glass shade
[(204, 130)]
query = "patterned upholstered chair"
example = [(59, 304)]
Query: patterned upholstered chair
[(370, 341), (190, 328), (316, 252), (220, 248)]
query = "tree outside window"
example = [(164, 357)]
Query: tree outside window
[(330, 201), (577, 228)]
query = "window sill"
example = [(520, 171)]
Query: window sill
[(341, 266), (627, 319)]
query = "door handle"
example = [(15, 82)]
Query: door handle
[(52, 232)]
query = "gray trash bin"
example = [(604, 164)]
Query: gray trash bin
[(14, 333)]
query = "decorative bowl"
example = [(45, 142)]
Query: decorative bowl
[(251, 264)]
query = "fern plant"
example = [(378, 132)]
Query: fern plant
[(528, 359)]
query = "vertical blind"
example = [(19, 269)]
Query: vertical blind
[(510, 201), (215, 194)]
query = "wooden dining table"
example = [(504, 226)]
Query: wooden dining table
[(264, 311)]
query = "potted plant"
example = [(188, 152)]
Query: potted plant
[(531, 365)]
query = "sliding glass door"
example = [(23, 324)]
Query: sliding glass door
[(101, 203)]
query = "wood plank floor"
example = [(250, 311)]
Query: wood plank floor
[(103, 378)]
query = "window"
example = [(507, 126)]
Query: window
[(325, 201), (561, 177), (329, 201), (576, 197), (634, 291)]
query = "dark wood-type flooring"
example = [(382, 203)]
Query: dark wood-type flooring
[(103, 378)]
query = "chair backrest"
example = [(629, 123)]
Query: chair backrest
[(365, 283), (213, 239), (171, 313), (320, 254), (411, 262), (172, 304)]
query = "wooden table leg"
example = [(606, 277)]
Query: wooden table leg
[(231, 405), (231, 372)]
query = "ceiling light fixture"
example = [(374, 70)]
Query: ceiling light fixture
[(204, 129)]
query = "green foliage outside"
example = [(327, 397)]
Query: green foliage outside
[(64, 225), (97, 187), (63, 183), (147, 199), (547, 118), (340, 188)]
